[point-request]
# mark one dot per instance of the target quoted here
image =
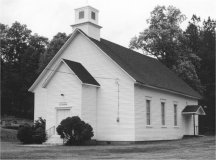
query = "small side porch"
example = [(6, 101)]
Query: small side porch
[(193, 110)]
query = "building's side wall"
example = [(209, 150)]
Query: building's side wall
[(105, 71), (40, 103), (156, 131), (89, 107)]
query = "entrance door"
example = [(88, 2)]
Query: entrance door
[(61, 114)]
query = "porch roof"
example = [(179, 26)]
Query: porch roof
[(193, 109), (81, 72)]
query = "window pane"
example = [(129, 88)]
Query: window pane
[(93, 15), (175, 115), (81, 14), (163, 113), (148, 112)]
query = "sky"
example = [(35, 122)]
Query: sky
[(121, 19)]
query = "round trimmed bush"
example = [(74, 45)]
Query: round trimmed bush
[(74, 131)]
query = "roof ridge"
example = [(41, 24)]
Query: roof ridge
[(135, 52)]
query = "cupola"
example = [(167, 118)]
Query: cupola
[(86, 19)]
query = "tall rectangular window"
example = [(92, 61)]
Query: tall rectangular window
[(81, 14), (163, 113), (148, 112), (175, 115)]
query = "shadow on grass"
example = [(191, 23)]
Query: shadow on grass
[(143, 150)]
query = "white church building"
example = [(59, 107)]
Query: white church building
[(122, 94)]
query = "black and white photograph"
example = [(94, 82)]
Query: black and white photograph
[(107, 79)]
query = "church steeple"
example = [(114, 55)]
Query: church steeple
[(86, 19)]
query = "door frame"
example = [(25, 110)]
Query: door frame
[(56, 110)]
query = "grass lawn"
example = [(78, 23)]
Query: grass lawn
[(202, 148), (8, 135)]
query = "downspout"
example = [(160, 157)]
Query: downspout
[(194, 124), (118, 119)]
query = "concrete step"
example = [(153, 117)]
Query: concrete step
[(54, 140)]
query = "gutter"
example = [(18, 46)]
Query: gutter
[(167, 90)]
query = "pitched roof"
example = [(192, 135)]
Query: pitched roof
[(144, 69), (81, 72), (193, 109)]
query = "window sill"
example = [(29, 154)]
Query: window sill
[(175, 126), (149, 126), (163, 126)]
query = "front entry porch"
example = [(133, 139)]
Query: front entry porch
[(52, 135)]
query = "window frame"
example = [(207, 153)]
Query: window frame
[(175, 108), (148, 112), (163, 113)]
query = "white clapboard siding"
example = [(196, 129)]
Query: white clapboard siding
[(89, 107), (40, 100), (156, 131), (105, 71), (68, 85)]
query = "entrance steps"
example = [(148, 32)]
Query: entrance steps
[(54, 140)]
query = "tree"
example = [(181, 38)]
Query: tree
[(23, 56), (20, 52), (54, 46), (201, 40), (164, 39)]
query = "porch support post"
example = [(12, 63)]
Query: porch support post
[(194, 124)]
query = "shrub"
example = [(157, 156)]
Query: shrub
[(25, 133), (33, 134), (74, 131), (40, 123), (39, 135)]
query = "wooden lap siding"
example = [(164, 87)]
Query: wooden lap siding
[(70, 86), (105, 72), (156, 131), (89, 107)]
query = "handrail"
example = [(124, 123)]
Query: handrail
[(50, 131)]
